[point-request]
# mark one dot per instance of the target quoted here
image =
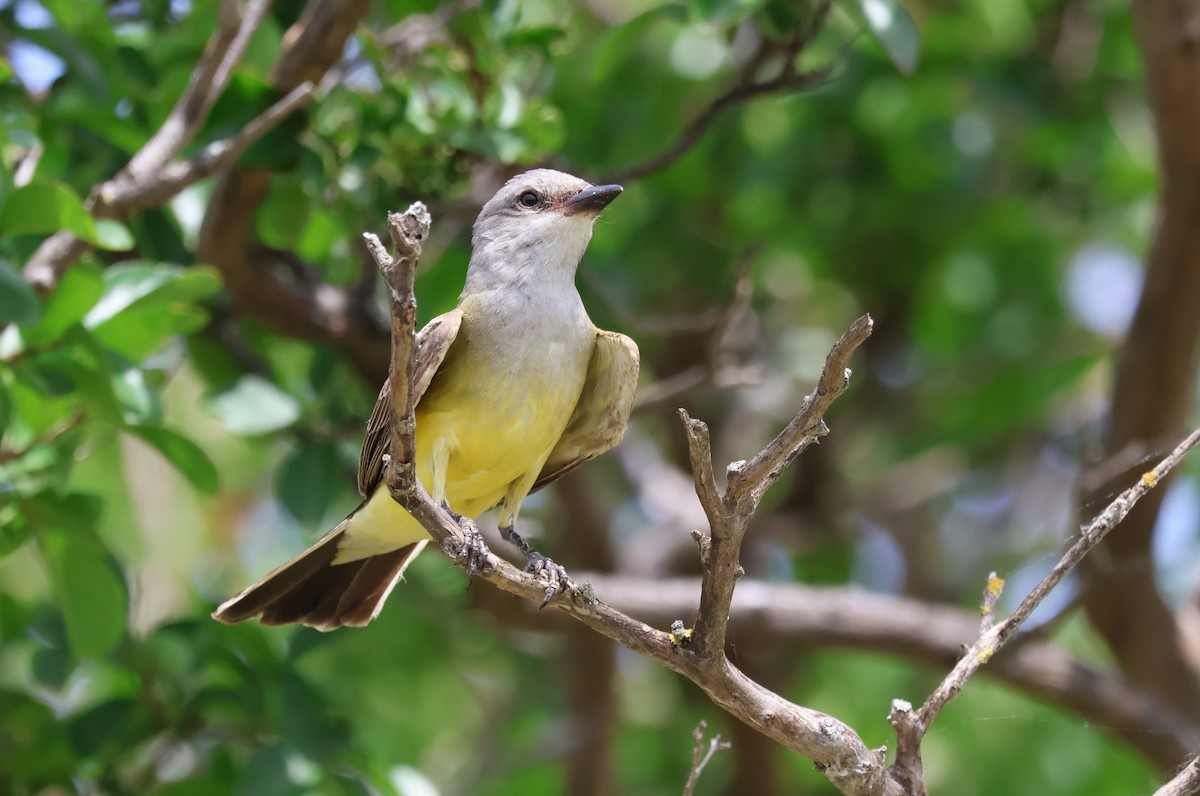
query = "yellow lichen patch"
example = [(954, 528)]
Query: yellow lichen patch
[(1150, 480), (681, 639), (986, 654), (995, 586)]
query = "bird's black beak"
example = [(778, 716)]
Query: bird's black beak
[(592, 199)]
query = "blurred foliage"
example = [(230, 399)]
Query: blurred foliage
[(983, 208)]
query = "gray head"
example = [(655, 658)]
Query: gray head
[(537, 227)]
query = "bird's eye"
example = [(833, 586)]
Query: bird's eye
[(528, 199)]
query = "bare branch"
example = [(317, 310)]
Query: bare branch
[(911, 727), (408, 231), (701, 753), (729, 516), (342, 319), (1186, 783)]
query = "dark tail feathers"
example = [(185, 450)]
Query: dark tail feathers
[(314, 591)]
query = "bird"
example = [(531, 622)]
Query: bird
[(514, 387)]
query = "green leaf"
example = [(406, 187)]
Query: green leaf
[(139, 402), (33, 407), (132, 283), (5, 408), (76, 293), (254, 406), (15, 529), (180, 451), (142, 330), (52, 666), (266, 774), (724, 12), (88, 587), (540, 37), (18, 302), (307, 480), (100, 727), (894, 29), (113, 235), (145, 304), (90, 380), (41, 208)]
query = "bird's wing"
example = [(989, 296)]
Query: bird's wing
[(433, 342), (602, 413)]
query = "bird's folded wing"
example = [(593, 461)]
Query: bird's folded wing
[(602, 413), (433, 342)]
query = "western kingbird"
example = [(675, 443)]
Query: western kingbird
[(515, 387)]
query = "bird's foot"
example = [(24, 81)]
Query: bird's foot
[(540, 567), (555, 575), (472, 554)]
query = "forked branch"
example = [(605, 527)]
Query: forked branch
[(835, 747)]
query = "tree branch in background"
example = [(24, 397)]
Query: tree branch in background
[(748, 87), (125, 193), (911, 727), (836, 748), (1155, 383), (794, 615), (207, 81), (149, 178)]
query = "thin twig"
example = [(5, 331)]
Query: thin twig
[(752, 479), (987, 606), (911, 726), (701, 753)]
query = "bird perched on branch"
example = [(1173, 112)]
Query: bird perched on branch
[(514, 388)]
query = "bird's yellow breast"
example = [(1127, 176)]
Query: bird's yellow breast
[(496, 424), (492, 416)]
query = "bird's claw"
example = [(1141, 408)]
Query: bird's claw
[(473, 552), (555, 575)]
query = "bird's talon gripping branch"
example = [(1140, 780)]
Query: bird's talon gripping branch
[(474, 553), (555, 575), (540, 566)]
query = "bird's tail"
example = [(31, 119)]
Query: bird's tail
[(313, 590)]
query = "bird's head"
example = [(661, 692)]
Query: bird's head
[(538, 225)]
